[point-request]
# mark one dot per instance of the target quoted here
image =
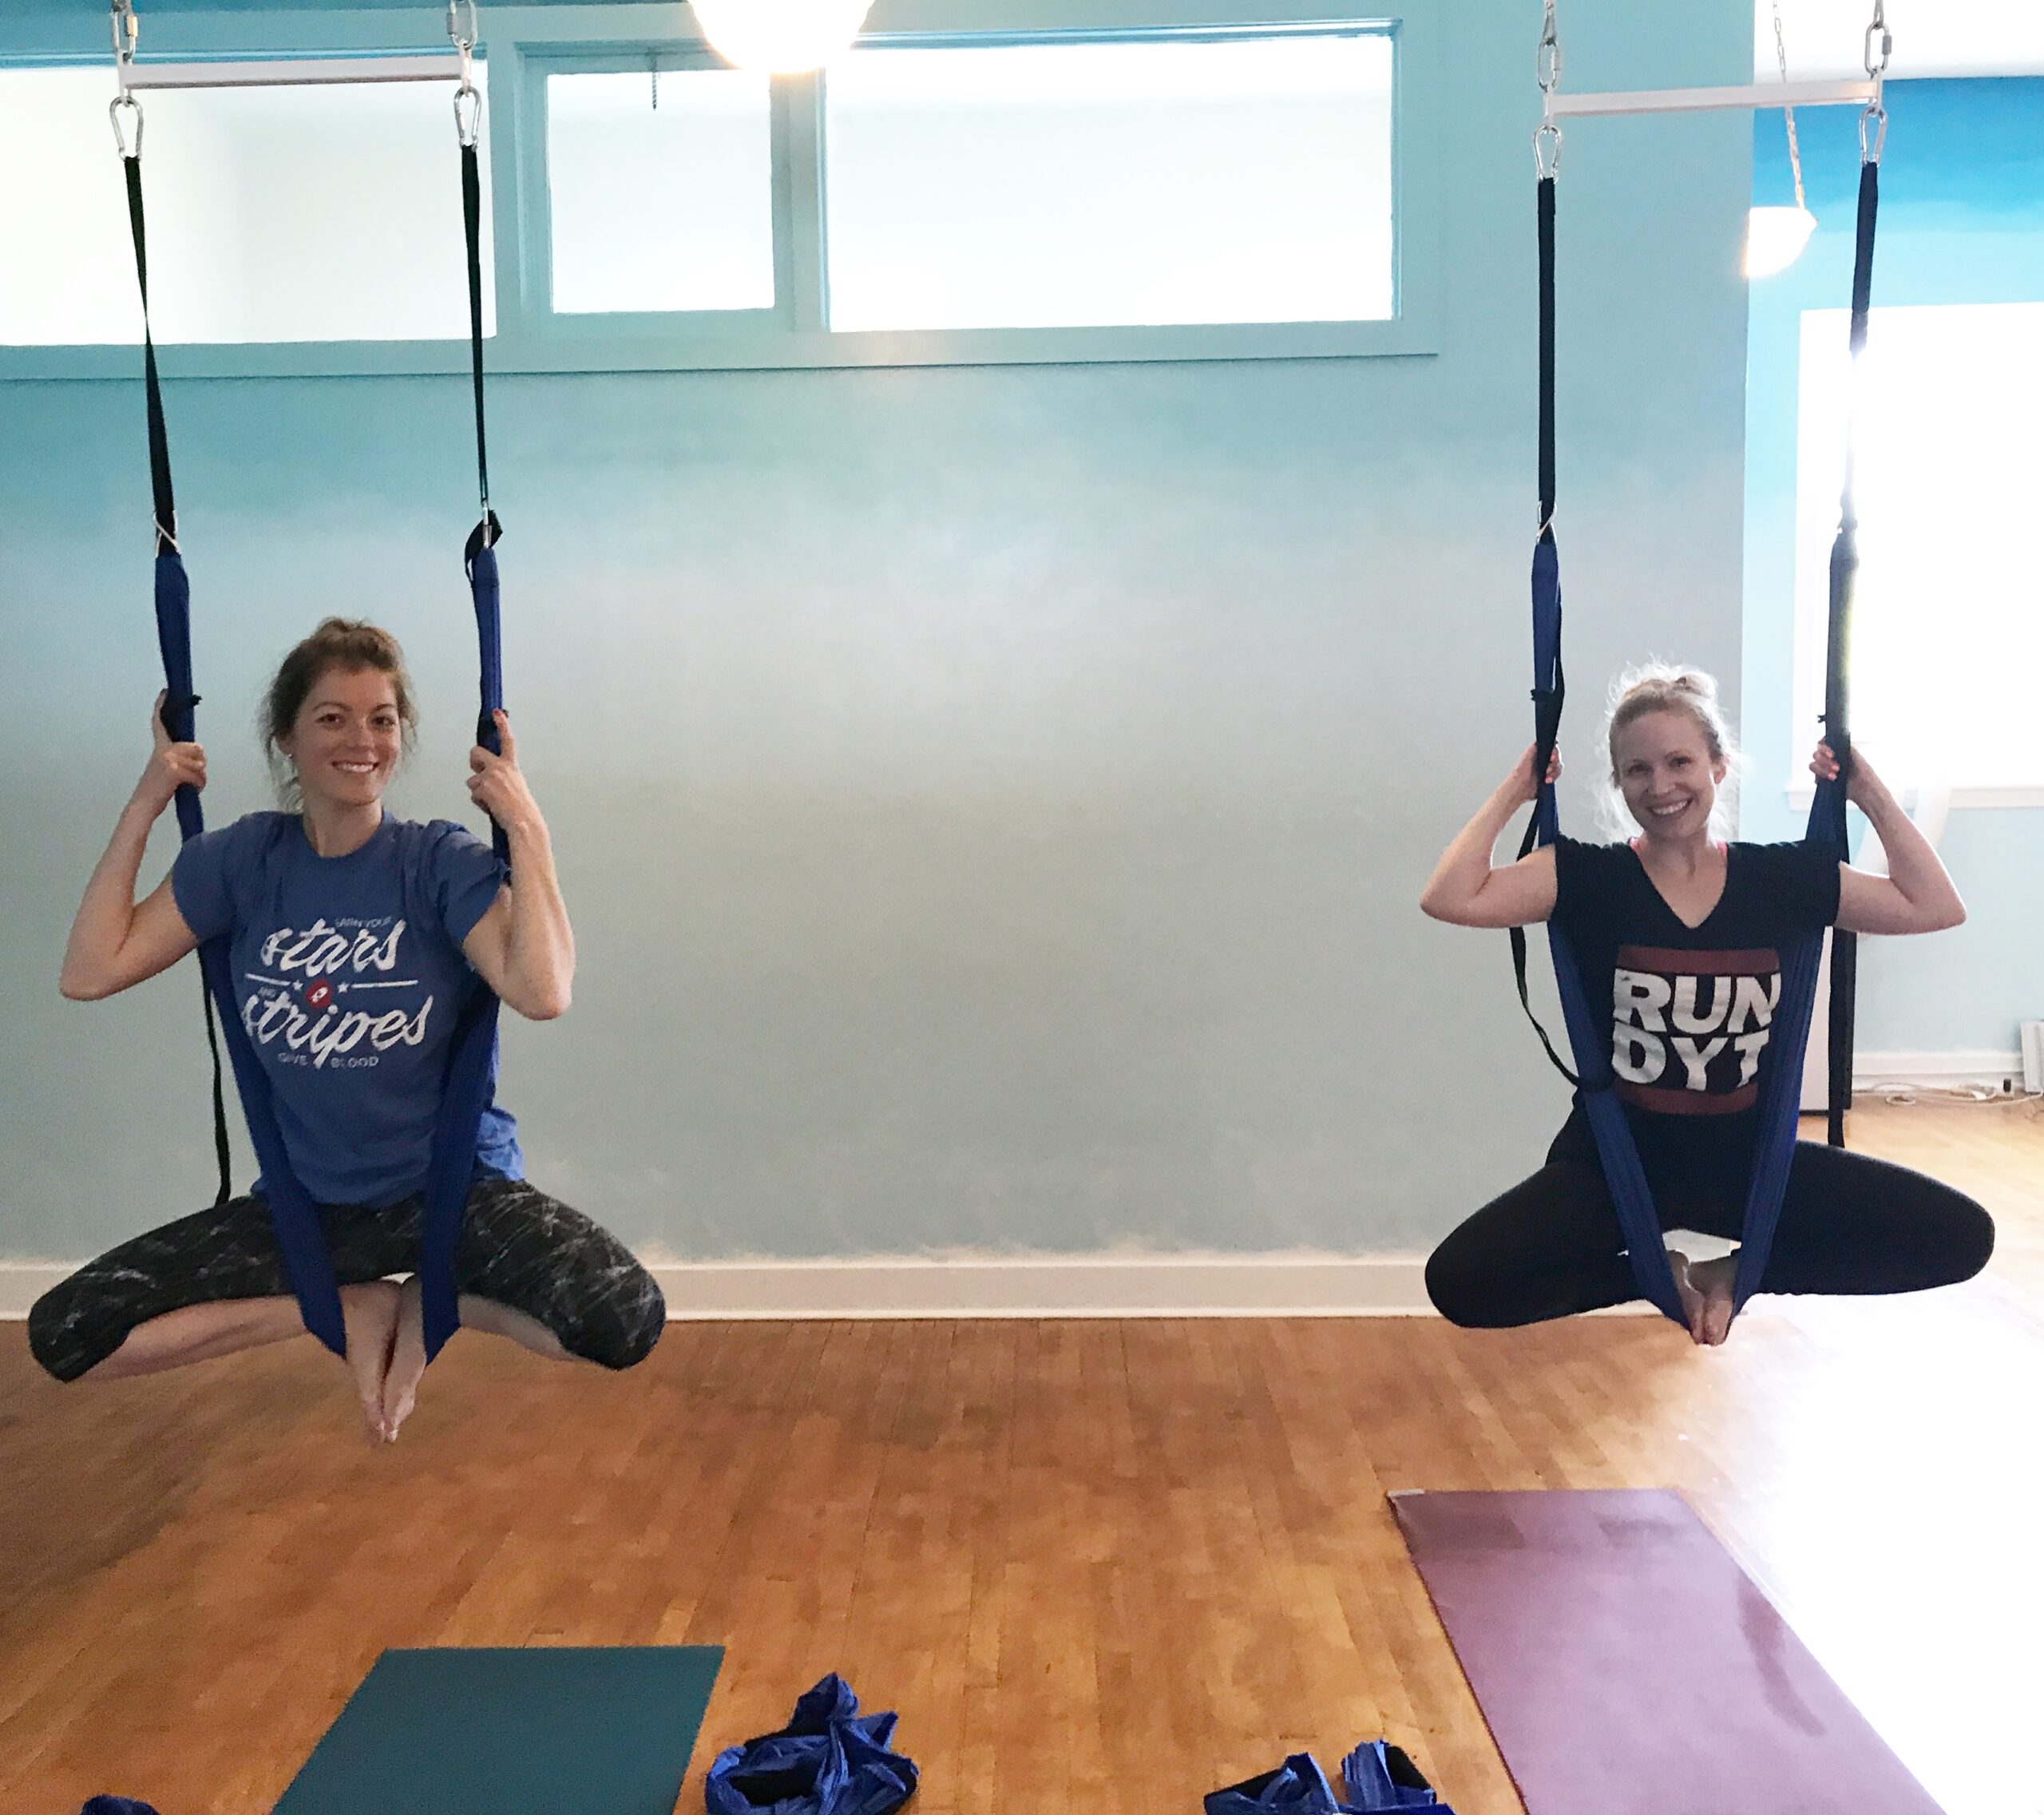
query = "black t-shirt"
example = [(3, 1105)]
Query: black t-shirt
[(1690, 1009)]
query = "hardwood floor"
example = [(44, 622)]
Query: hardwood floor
[(1097, 1566)]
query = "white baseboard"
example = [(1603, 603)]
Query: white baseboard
[(1984, 1066), (23, 1282), (984, 1285), (1041, 1286)]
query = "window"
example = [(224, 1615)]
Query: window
[(1948, 637), (275, 214), (1147, 182), (660, 205), (992, 187)]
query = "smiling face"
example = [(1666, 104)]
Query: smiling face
[(1664, 768), (347, 738)]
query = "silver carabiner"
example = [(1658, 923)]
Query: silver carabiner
[(462, 28), (122, 14), (126, 103), (1548, 71), (126, 31), (1875, 118), (1880, 42)]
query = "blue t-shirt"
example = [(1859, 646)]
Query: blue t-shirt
[(349, 974)]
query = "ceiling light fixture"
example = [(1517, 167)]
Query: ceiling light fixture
[(1775, 236), (782, 37)]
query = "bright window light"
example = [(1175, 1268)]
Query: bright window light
[(1948, 634), (665, 207), (1111, 183), (279, 214)]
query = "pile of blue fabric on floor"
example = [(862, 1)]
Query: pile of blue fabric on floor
[(828, 1760), (831, 1760), (1379, 1777)]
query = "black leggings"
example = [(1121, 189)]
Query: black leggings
[(519, 1248), (1551, 1246)]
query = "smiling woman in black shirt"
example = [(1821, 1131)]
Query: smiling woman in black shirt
[(1680, 934)]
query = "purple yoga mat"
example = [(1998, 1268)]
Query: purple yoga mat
[(1626, 1664)]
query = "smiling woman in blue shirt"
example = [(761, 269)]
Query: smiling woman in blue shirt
[(353, 937)]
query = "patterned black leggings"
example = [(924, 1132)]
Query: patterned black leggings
[(519, 1248)]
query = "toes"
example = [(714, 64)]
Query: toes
[(395, 1413)]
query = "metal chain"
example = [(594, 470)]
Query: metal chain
[(1794, 150), (127, 28), (1873, 123), (1548, 68), (468, 101)]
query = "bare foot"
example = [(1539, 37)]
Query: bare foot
[(1714, 1279), (369, 1319), (407, 1360), (1706, 1289)]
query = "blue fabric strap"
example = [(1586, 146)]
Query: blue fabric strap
[(472, 1064), (828, 1760), (293, 1214), (1296, 1787), (1780, 1093), (1378, 1777)]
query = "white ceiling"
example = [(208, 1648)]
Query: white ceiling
[(1932, 38)]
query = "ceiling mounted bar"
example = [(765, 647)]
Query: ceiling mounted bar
[(429, 66), (1767, 98)]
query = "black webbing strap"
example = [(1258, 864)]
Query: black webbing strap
[(1550, 685), (1837, 684), (1525, 1002), (487, 529), (1544, 213), (177, 712), (166, 502), (1551, 689)]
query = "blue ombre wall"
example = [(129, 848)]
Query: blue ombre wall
[(1962, 221), (992, 801)]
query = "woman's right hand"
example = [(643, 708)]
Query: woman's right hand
[(1520, 784), (172, 765)]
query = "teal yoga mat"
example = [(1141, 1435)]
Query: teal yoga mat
[(571, 1731)]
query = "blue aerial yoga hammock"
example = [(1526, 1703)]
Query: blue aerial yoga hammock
[(830, 1759), (1774, 1137), (473, 1062), (1379, 1777)]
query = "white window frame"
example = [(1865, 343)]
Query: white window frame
[(526, 43)]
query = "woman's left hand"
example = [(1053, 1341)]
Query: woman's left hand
[(498, 785)]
